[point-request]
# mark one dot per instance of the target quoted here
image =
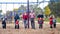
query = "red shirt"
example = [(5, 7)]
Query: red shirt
[(25, 17), (51, 20)]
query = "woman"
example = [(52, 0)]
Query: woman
[(25, 19)]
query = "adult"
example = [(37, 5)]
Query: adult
[(25, 19), (32, 17)]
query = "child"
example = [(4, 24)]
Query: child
[(4, 23), (54, 22), (40, 22), (51, 21), (17, 25)]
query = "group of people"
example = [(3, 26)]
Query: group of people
[(31, 16), (52, 22)]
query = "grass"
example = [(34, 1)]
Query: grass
[(58, 19), (47, 19)]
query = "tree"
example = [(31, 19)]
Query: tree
[(0, 11), (55, 8), (36, 9), (47, 11), (22, 7)]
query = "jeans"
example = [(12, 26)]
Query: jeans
[(32, 23), (25, 24)]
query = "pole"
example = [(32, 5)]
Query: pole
[(37, 2), (28, 11)]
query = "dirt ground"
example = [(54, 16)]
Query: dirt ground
[(46, 30)]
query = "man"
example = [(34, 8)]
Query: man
[(32, 17)]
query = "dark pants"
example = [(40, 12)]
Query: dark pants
[(25, 24), (17, 26), (50, 26), (40, 25), (32, 23), (4, 26), (54, 25)]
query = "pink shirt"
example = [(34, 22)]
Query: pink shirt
[(32, 15)]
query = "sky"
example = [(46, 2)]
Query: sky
[(10, 7)]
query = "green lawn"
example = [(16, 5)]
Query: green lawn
[(58, 19)]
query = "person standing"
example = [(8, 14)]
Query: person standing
[(25, 19), (54, 22), (17, 24), (4, 23), (16, 18), (32, 17), (51, 21), (40, 21)]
